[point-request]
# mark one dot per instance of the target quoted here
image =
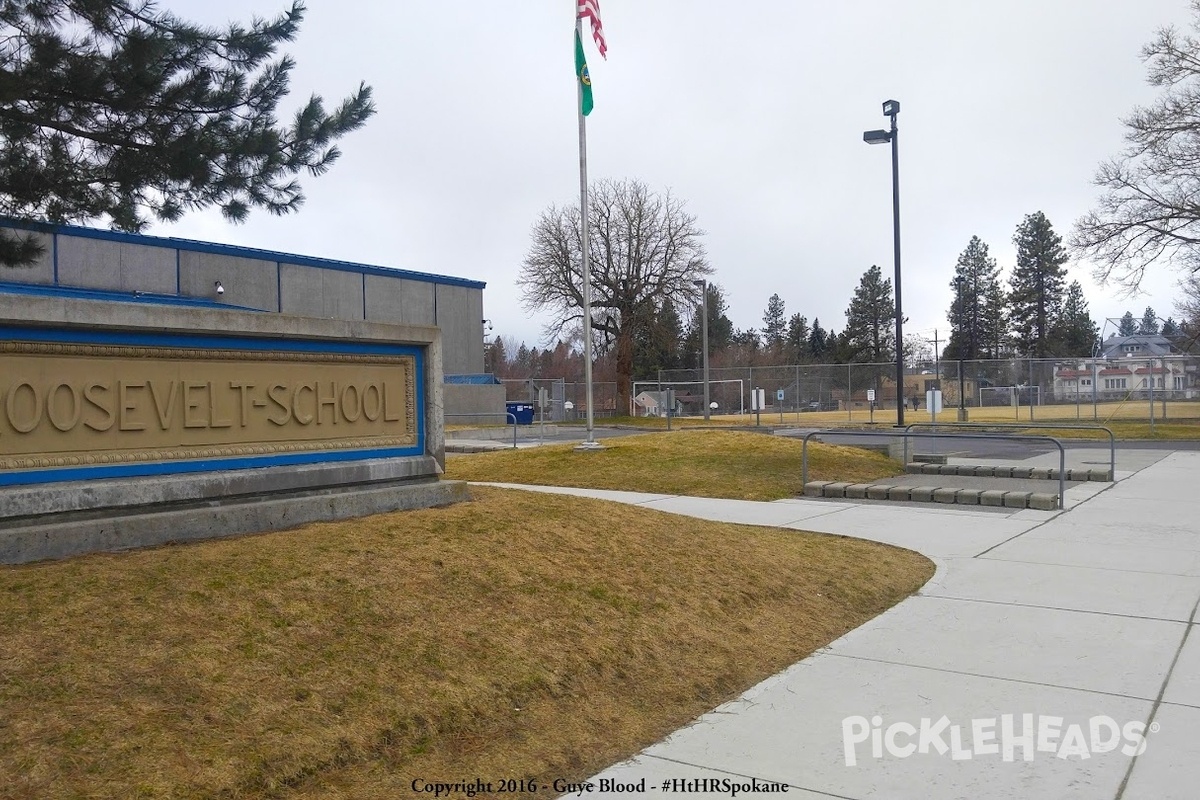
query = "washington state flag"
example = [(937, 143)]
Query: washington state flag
[(585, 80)]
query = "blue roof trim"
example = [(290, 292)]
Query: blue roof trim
[(238, 252), (43, 290)]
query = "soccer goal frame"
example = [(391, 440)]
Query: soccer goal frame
[(1013, 396)]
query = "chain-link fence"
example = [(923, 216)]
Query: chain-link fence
[(566, 402), (1130, 379)]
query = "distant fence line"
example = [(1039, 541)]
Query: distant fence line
[(1136, 378)]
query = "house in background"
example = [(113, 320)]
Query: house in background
[(1129, 367)]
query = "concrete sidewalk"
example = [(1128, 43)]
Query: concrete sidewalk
[(1039, 633)]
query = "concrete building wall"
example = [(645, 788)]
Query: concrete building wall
[(248, 282), (102, 260), (116, 266), (484, 403), (399, 301), (40, 271), (460, 316), (324, 293)]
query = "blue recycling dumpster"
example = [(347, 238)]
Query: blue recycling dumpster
[(522, 411)]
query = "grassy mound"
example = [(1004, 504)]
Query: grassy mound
[(730, 464), (519, 634)]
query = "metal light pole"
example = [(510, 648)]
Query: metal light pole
[(962, 409), (890, 109), (703, 284)]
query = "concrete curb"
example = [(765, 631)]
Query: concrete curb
[(1019, 473), (945, 495), (214, 519)]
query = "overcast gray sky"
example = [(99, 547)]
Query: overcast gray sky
[(752, 112)]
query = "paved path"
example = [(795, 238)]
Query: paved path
[(1073, 618)]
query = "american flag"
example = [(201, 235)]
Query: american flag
[(590, 9)]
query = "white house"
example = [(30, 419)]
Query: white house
[(1129, 367)]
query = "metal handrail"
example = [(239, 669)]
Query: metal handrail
[(1062, 453), (1112, 438), (508, 414)]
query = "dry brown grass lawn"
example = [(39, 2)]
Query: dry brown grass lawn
[(519, 634), (731, 464)]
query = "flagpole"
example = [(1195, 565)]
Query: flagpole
[(591, 443)]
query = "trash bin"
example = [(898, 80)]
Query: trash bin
[(522, 411)]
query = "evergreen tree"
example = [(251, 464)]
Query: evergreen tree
[(1170, 328), (1036, 285), (993, 322), (818, 344), (797, 339), (774, 330), (1149, 323), (522, 368), (977, 319), (497, 357), (1128, 326), (658, 342), (837, 347), (748, 340), (116, 109), (720, 329), (869, 335), (1075, 333)]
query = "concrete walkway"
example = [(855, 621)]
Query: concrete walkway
[(1051, 642)]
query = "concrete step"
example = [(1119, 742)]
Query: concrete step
[(1043, 501), (986, 471)]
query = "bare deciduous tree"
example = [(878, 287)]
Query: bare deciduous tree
[(1148, 210), (644, 247)]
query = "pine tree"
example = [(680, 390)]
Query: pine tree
[(115, 109), (1075, 333), (1149, 323), (977, 318), (818, 344), (869, 333), (774, 330), (1036, 285), (522, 367), (993, 320), (497, 357), (1128, 326), (720, 328), (797, 338), (1170, 328), (658, 342)]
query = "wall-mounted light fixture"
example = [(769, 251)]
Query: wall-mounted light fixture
[(220, 288)]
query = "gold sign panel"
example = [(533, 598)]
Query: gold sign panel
[(76, 404)]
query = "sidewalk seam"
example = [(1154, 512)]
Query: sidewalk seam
[(1159, 700), (986, 676)]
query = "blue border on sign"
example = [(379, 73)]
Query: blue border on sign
[(212, 342)]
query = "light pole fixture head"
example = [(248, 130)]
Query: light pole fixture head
[(701, 283), (877, 137), (891, 108)]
